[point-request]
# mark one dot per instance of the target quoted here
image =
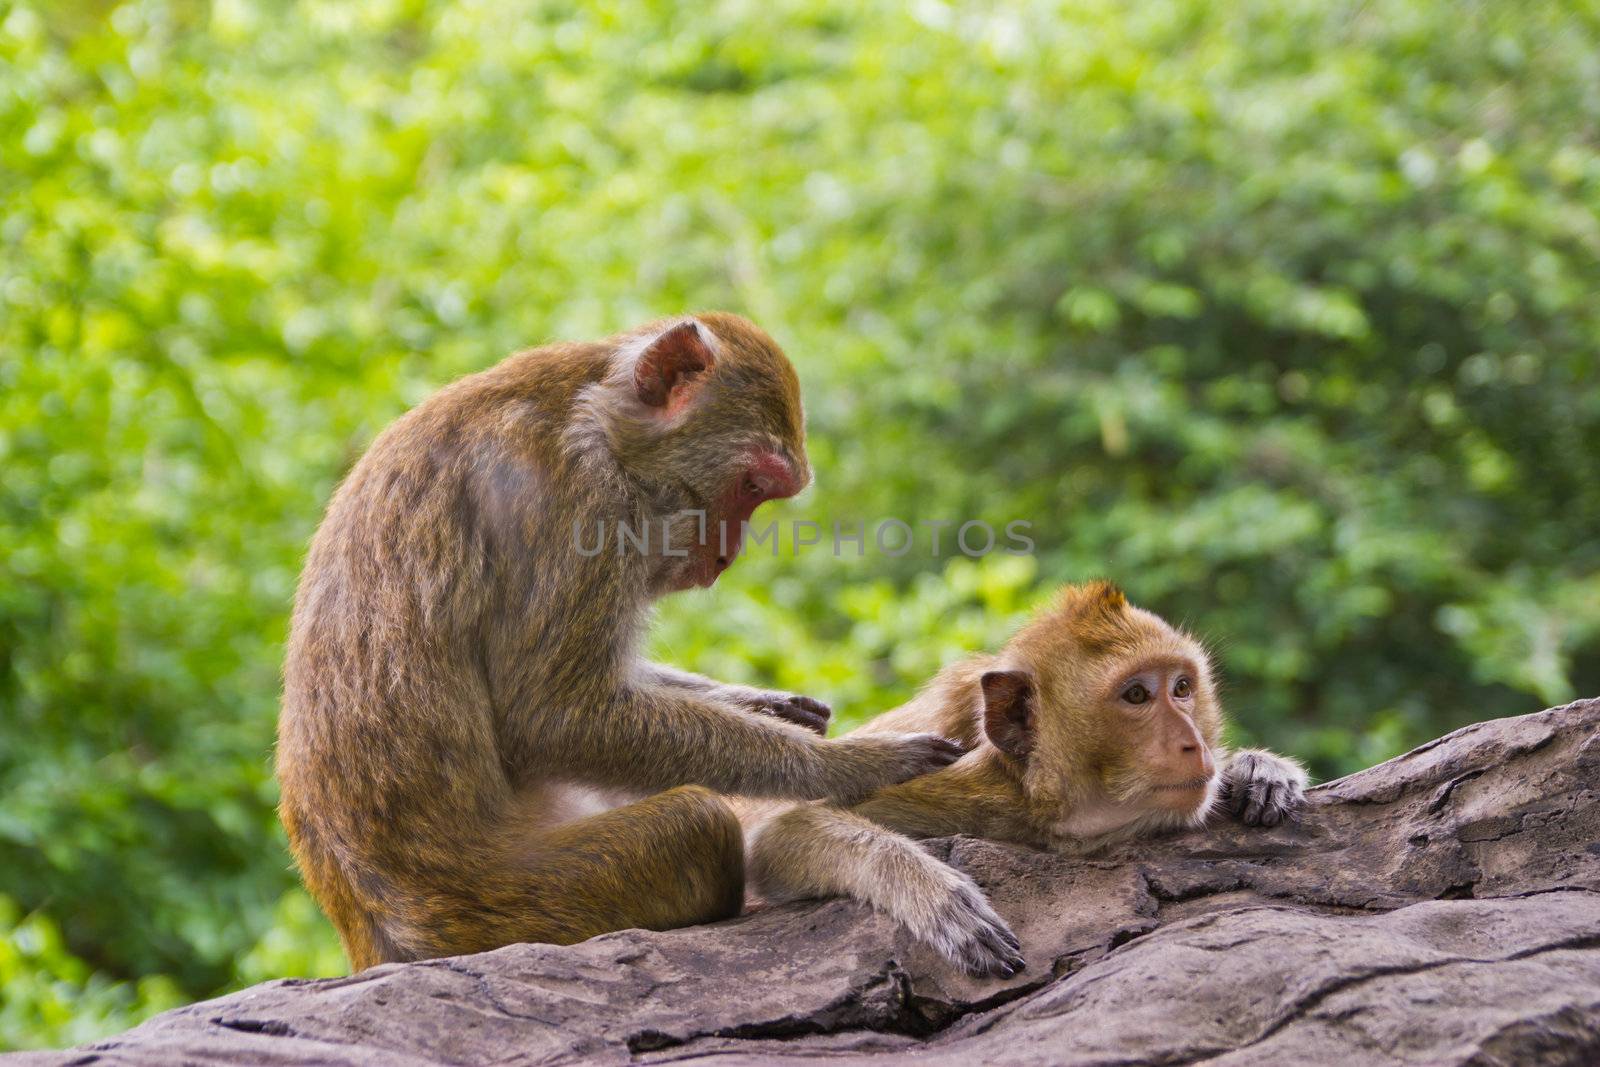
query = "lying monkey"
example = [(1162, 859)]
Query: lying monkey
[(1098, 722)]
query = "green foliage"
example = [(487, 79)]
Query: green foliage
[(1281, 314), (51, 994)]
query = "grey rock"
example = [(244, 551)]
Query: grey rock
[(1442, 908)]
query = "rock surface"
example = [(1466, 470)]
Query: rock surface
[(1442, 908)]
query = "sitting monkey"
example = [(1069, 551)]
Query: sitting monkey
[(473, 750), (1098, 722)]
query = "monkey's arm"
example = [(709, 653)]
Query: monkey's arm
[(790, 707), (973, 797), (661, 674), (655, 737)]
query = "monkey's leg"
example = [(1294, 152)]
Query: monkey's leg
[(673, 859), (818, 851)]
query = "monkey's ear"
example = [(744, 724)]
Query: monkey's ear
[(1009, 699), (668, 365)]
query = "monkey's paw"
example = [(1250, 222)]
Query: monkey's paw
[(967, 932), (913, 755), (1262, 788), (858, 764), (790, 707)]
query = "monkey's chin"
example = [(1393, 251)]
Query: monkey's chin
[(701, 573)]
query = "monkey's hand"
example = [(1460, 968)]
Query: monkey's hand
[(862, 763), (1262, 788), (790, 707)]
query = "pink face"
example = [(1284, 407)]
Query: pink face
[(1159, 702), (764, 476)]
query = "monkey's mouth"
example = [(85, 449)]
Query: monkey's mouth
[(726, 544), (708, 568), (1190, 798), (1192, 785), (1183, 797)]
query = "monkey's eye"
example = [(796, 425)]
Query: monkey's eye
[(750, 487), (1136, 694), (1182, 688)]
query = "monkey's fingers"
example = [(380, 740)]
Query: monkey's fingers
[(937, 751), (1263, 791), (1000, 960), (1270, 812), (1235, 795), (975, 938), (1257, 794), (817, 724), (1294, 803), (812, 714), (1288, 800), (802, 711), (1272, 802)]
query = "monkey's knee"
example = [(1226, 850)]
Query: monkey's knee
[(715, 857), (703, 838)]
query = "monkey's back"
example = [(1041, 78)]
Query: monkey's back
[(387, 755)]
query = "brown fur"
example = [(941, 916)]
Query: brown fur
[(1093, 769), (461, 680)]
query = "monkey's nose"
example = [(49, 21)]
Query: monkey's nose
[(774, 477)]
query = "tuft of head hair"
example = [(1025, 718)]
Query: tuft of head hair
[(1096, 614), (1097, 595)]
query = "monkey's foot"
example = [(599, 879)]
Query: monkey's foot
[(967, 932), (1263, 788)]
